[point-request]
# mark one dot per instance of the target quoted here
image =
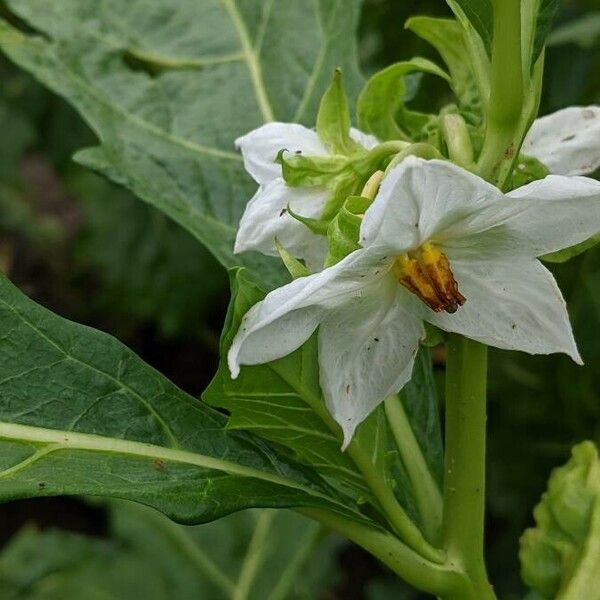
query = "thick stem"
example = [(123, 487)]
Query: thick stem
[(427, 492), (502, 138), (464, 481)]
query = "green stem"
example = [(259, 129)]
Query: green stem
[(400, 521), (426, 489), (464, 483), (502, 140), (440, 580)]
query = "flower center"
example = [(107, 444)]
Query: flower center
[(426, 273)]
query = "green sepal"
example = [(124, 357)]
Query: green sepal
[(333, 119), (317, 226), (560, 557), (349, 184), (344, 230), (309, 171), (295, 267), (566, 254), (381, 104)]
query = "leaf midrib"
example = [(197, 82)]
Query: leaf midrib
[(61, 440)]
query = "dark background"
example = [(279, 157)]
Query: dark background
[(93, 253)]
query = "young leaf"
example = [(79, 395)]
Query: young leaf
[(560, 558), (81, 414), (480, 14), (381, 109), (167, 108), (333, 120), (469, 79)]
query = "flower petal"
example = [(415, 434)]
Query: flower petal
[(567, 141), (419, 200), (261, 147), (266, 218), (288, 316), (366, 140), (545, 216), (366, 353), (512, 304)]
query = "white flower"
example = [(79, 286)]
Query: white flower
[(266, 216), (436, 220), (567, 141)]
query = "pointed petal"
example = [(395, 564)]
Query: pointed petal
[(567, 141), (366, 352), (288, 316), (266, 218), (512, 304), (366, 140), (261, 146), (545, 216)]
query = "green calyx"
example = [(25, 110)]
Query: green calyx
[(344, 230)]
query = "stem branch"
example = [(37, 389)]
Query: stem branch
[(427, 492)]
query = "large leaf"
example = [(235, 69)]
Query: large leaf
[(81, 414), (167, 87), (257, 555)]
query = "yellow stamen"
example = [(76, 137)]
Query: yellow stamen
[(429, 277)]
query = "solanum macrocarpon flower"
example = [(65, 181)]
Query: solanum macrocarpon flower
[(439, 244), (567, 141), (266, 216)]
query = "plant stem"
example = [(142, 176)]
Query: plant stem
[(430, 577), (464, 482), (502, 139), (400, 521), (427, 492)]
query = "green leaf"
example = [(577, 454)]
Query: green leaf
[(381, 109), (560, 558), (480, 14), (344, 231), (168, 87), (333, 120), (469, 84), (281, 401), (150, 269), (257, 555), (81, 414), (420, 401)]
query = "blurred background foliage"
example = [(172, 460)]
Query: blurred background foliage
[(90, 251)]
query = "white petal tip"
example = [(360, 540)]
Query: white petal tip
[(234, 367), (348, 428)]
